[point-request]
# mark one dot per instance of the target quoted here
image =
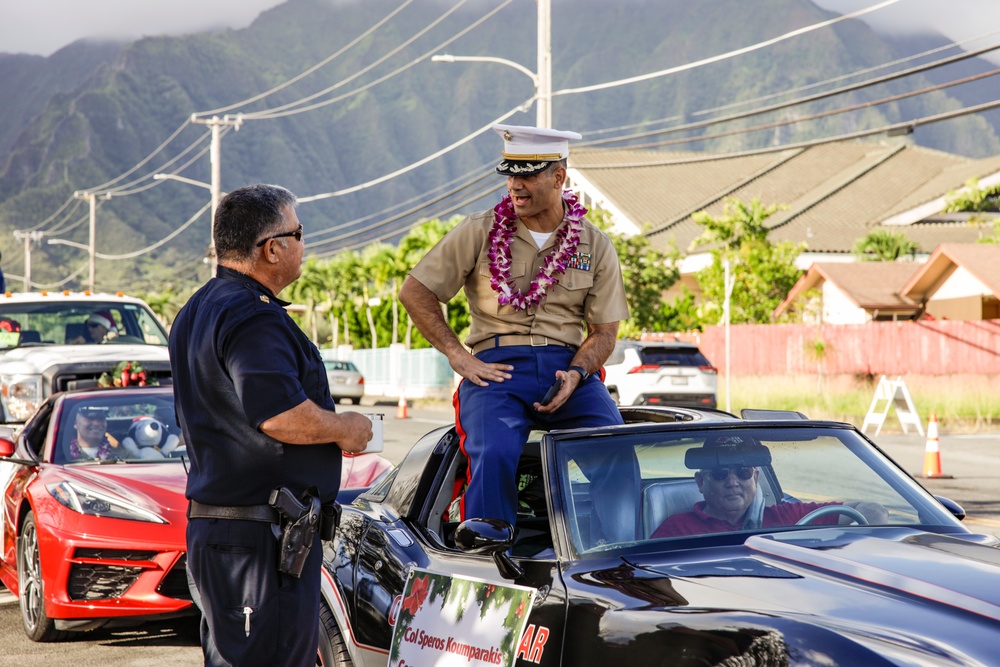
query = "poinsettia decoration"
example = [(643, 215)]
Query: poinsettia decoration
[(126, 374)]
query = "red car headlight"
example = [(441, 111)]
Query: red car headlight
[(86, 500)]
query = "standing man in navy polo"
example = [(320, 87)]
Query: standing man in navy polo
[(254, 405), (546, 295)]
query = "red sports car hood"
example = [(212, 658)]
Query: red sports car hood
[(158, 486)]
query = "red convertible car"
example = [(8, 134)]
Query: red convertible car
[(93, 523)]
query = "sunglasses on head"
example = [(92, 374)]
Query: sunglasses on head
[(721, 474), (296, 233)]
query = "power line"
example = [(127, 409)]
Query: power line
[(413, 165), (821, 114), (723, 56), (904, 127), (312, 69), (287, 110), (403, 214), (799, 101), (476, 175), (791, 91)]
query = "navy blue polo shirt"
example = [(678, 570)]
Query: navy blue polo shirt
[(238, 359)]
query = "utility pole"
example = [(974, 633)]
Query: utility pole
[(544, 73), (91, 198), (215, 159), (28, 238)]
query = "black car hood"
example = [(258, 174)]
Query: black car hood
[(894, 595)]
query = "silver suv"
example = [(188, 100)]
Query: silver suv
[(660, 373)]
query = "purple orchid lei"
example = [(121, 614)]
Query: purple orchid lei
[(503, 230)]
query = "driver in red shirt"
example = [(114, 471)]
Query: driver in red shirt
[(732, 500)]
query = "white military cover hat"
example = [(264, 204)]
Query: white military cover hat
[(529, 150)]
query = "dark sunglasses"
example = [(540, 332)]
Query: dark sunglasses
[(297, 234), (94, 325), (722, 474)]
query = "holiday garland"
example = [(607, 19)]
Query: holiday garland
[(503, 230)]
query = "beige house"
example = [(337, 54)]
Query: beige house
[(960, 281)]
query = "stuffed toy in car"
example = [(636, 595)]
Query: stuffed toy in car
[(149, 438)]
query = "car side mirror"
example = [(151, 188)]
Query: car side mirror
[(7, 447), (489, 536), (957, 510)]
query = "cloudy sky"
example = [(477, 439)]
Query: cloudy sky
[(44, 26)]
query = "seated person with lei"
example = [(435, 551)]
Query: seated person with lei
[(731, 498), (90, 440)]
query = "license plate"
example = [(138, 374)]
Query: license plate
[(678, 379)]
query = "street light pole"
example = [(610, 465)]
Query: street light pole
[(542, 79), (543, 83)]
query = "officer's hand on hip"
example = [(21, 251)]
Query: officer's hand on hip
[(358, 431)]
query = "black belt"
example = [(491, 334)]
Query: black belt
[(506, 340), (264, 513)]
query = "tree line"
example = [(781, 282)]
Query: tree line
[(352, 298)]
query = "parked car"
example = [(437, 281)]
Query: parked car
[(655, 373), (46, 344), (345, 380), (92, 543), (910, 587)]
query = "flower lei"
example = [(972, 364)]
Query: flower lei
[(503, 230)]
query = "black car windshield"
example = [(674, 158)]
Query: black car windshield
[(691, 483), (65, 322)]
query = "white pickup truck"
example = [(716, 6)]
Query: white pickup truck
[(55, 341)]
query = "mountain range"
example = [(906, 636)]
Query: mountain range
[(92, 111)]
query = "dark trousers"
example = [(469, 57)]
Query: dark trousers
[(493, 424), (234, 566)]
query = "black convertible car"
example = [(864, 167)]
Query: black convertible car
[(830, 554)]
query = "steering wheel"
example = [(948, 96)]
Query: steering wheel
[(833, 509)]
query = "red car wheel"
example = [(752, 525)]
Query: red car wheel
[(38, 626)]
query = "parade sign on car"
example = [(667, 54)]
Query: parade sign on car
[(446, 620)]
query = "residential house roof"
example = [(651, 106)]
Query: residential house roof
[(869, 285), (835, 193), (981, 260)]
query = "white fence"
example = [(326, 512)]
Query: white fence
[(395, 371)]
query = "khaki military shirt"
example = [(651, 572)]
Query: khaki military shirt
[(591, 290)]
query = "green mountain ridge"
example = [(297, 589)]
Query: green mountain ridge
[(84, 125)]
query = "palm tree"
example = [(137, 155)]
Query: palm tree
[(883, 245)]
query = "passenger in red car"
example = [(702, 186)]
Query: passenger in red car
[(91, 440)]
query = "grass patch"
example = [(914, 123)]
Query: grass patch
[(962, 403)]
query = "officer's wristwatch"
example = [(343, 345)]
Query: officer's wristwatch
[(579, 369)]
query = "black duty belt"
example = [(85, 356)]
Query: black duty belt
[(264, 513), (506, 340)]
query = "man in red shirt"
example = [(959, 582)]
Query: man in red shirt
[(732, 500)]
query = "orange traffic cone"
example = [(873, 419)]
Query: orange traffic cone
[(932, 453), (401, 406)]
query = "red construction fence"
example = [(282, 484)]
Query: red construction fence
[(941, 347)]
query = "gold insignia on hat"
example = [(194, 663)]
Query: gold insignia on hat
[(264, 298), (507, 136)]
